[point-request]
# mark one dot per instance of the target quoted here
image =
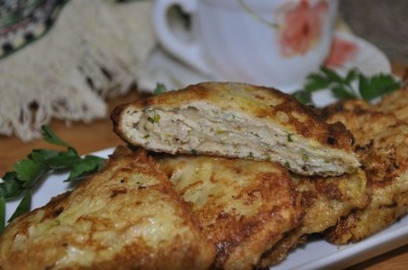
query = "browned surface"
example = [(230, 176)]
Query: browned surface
[(243, 206), (98, 135), (325, 201), (396, 103), (126, 216), (381, 145)]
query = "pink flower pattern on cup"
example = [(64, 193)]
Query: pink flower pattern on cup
[(341, 52), (302, 27)]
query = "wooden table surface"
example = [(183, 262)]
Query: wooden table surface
[(99, 135)]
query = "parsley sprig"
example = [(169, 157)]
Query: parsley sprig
[(353, 85), (160, 89), (27, 173)]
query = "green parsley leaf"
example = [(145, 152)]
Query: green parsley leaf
[(342, 92), (28, 169), (24, 206), (345, 87), (63, 160), (363, 85), (2, 210), (352, 74), (304, 97), (11, 187), (42, 155), (331, 75), (160, 89), (316, 82), (84, 167), (51, 137), (377, 85), (28, 172)]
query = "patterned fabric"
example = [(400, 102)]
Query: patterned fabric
[(95, 50), (24, 21)]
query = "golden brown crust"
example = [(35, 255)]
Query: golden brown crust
[(324, 201), (259, 102), (243, 206), (396, 103), (124, 217), (381, 145), (356, 105), (362, 121)]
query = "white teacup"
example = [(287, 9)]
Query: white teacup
[(269, 42)]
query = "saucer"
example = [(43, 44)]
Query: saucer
[(161, 67)]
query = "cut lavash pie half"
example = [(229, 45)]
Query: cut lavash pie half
[(240, 121)]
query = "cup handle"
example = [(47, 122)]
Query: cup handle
[(190, 52)]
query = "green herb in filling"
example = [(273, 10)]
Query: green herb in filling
[(305, 156), (154, 119), (290, 137)]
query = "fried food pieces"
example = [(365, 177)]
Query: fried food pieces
[(239, 121), (244, 207), (396, 103), (124, 217), (220, 213), (324, 201), (382, 148)]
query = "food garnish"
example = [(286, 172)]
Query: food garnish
[(28, 172), (353, 85), (160, 89)]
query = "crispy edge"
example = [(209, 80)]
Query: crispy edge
[(320, 190), (364, 119)]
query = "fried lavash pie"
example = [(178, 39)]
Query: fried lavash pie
[(382, 148), (324, 200), (239, 121), (396, 103), (244, 207), (125, 217)]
